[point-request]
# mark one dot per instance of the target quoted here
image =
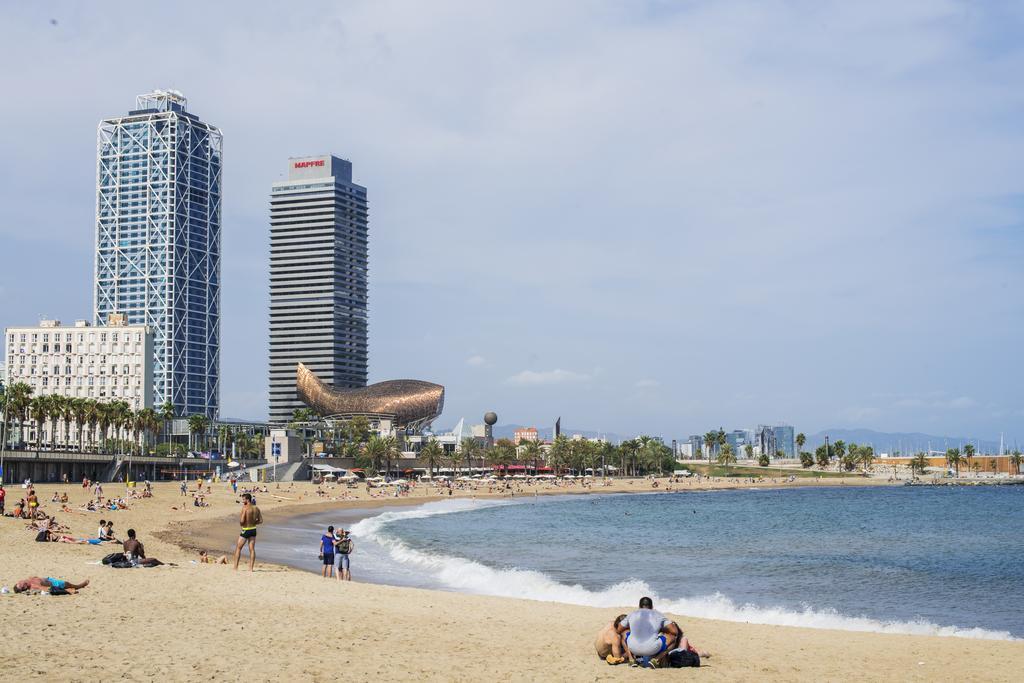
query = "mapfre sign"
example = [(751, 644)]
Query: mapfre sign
[(309, 164)]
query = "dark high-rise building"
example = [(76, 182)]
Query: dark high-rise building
[(318, 279)]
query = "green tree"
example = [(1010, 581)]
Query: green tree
[(969, 455), (167, 416), (531, 452), (503, 454), (838, 452), (711, 443), (918, 463), (197, 426), (801, 439), (763, 460), (821, 456), (806, 459), (1016, 459), (725, 455), (19, 398), (39, 409), (470, 448), (431, 453), (953, 457), (375, 452), (392, 450), (558, 456), (748, 450), (866, 457)]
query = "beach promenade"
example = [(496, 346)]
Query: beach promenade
[(198, 621)]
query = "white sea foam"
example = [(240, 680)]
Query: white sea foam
[(464, 575)]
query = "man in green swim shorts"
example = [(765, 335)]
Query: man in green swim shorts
[(250, 518)]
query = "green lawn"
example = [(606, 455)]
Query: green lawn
[(747, 471)]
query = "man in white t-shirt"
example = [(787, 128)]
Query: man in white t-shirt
[(649, 634)]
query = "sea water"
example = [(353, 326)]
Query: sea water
[(925, 560)]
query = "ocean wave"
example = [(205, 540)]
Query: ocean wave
[(467, 576)]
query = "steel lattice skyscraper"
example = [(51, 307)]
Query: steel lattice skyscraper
[(158, 205), (318, 279)]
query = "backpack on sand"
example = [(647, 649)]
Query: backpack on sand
[(678, 659), (114, 557)]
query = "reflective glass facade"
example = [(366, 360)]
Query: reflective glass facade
[(158, 230)]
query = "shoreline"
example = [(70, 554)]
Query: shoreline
[(167, 622)]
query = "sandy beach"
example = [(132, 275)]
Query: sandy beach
[(194, 621)]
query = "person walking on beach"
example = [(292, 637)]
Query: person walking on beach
[(249, 519), (327, 553), (344, 546)]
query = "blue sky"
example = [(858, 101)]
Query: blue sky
[(644, 217)]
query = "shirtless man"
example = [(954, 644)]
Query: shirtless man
[(249, 519), (48, 584), (609, 642)]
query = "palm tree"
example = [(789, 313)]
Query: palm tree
[(1016, 459), (800, 441), (710, 441), (56, 414), (918, 463), (503, 454), (92, 418), (726, 456), (392, 451), (748, 450), (867, 457), (375, 451), (531, 452), (470, 449), (167, 416), (146, 421), (19, 397), (558, 456), (969, 454), (39, 408), (839, 450), (197, 425), (954, 458), (431, 452)]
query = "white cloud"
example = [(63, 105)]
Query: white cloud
[(544, 377), (475, 361)]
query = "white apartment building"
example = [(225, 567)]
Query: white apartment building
[(108, 363)]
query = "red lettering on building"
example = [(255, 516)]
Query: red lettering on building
[(307, 164)]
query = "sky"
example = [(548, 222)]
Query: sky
[(643, 217)]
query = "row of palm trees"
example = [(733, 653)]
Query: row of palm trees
[(98, 425)]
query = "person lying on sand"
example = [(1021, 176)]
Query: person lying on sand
[(609, 642), (205, 558), (49, 585)]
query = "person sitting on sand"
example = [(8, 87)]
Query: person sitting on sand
[(64, 497), (132, 547), (49, 585), (609, 642), (110, 532), (648, 634), (101, 532), (56, 498)]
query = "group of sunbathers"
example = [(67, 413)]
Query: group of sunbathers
[(644, 637)]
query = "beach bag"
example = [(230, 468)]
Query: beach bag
[(678, 659), (42, 536), (114, 557)]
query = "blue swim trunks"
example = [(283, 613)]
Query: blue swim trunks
[(57, 583)]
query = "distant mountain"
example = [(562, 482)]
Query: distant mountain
[(508, 431), (904, 442)]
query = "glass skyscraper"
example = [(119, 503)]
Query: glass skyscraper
[(318, 279), (158, 204)]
